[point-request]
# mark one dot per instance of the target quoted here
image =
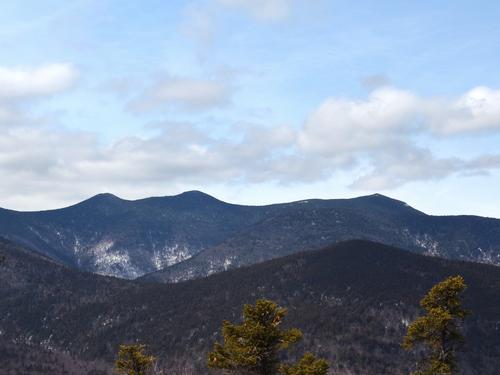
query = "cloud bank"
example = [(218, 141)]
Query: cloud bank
[(376, 139), (382, 132)]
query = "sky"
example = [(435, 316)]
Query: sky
[(251, 101)]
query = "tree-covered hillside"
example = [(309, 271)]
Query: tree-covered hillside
[(353, 302), (194, 235)]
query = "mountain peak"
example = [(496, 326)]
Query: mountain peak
[(192, 199), (105, 196), (384, 201), (195, 193), (195, 197), (101, 201), (380, 196)]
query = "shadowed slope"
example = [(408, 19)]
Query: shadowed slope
[(352, 300), (193, 234)]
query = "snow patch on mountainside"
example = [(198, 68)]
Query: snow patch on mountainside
[(489, 256), (228, 262), (77, 246), (170, 255), (217, 265), (110, 262), (424, 242)]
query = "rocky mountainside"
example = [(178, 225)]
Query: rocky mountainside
[(352, 300), (193, 234), (313, 224), (112, 236)]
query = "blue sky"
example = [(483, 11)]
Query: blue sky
[(253, 101)]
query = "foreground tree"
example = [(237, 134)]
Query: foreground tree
[(308, 365), (133, 361), (439, 330), (253, 347)]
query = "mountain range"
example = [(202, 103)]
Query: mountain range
[(193, 235), (112, 236), (353, 301)]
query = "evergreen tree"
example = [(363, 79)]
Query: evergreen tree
[(308, 365), (253, 347), (133, 361), (439, 329)]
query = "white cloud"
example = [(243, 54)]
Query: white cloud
[(21, 87), (475, 111), (9, 115), (19, 83), (390, 116), (382, 132), (265, 10), (63, 164), (340, 126), (185, 94), (397, 166), (375, 140), (70, 165)]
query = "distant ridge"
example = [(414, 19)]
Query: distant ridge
[(193, 234)]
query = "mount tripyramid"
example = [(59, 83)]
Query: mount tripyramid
[(193, 235)]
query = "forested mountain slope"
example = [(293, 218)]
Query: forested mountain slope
[(314, 224), (352, 300), (112, 236), (193, 234)]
